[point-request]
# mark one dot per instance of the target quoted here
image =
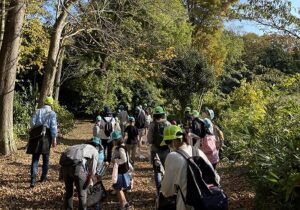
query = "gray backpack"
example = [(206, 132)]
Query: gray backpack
[(72, 156)]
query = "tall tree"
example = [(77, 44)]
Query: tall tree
[(2, 23), (208, 16), (49, 75), (8, 64), (273, 14)]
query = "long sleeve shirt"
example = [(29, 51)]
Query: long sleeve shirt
[(119, 155), (45, 116), (90, 159)]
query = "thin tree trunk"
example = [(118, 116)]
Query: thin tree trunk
[(58, 73), (8, 64), (200, 101), (49, 76), (2, 24)]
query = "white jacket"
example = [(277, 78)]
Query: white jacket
[(176, 175), (102, 125)]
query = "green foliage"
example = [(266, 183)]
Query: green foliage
[(208, 17), (23, 108), (34, 48), (65, 119), (275, 161), (261, 124), (186, 75)]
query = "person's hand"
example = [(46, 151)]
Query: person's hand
[(54, 143)]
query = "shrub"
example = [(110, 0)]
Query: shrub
[(65, 119), (23, 108)]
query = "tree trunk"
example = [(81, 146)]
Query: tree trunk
[(200, 102), (49, 75), (58, 74), (8, 64), (2, 24)]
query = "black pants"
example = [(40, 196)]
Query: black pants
[(109, 147), (75, 175)]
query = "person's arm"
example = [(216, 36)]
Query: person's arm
[(92, 164), (123, 158), (33, 120), (53, 128), (126, 137)]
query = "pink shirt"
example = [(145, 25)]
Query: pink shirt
[(209, 148)]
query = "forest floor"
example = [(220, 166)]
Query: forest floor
[(15, 192)]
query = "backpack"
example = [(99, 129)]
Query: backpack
[(140, 120), (200, 176), (198, 127), (72, 156), (108, 128), (158, 133), (219, 136)]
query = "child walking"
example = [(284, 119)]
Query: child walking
[(208, 144), (120, 157), (131, 139)]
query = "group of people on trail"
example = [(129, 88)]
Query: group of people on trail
[(184, 156)]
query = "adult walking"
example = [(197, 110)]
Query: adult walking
[(123, 117), (140, 123), (44, 124), (79, 164), (155, 137), (107, 125)]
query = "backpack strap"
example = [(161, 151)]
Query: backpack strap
[(190, 160)]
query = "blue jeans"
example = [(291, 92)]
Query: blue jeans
[(34, 165), (162, 154)]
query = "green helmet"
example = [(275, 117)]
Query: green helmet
[(159, 110), (49, 101), (171, 132), (195, 113), (187, 109)]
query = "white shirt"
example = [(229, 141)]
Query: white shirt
[(102, 125), (176, 175)]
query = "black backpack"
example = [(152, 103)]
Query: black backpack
[(108, 128), (158, 133), (199, 175)]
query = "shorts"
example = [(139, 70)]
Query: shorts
[(123, 182)]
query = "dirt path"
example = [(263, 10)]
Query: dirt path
[(16, 194)]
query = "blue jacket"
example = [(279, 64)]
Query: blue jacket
[(47, 116)]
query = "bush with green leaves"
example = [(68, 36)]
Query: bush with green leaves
[(275, 160), (65, 119), (23, 108), (261, 123)]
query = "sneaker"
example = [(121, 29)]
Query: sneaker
[(43, 179), (32, 182)]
